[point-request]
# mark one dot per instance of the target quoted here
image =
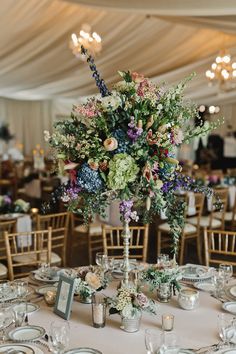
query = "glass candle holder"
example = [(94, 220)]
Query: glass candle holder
[(168, 322), (98, 311)]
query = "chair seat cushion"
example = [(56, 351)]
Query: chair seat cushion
[(188, 228), (24, 258), (94, 229), (3, 270), (228, 216), (205, 222)]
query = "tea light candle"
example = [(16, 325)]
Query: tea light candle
[(50, 297), (167, 322), (34, 210)]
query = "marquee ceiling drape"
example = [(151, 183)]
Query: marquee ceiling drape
[(177, 38)]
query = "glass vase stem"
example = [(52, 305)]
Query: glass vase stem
[(126, 239)]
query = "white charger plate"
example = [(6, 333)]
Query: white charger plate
[(30, 307), (205, 286), (84, 350), (45, 288), (25, 348), (229, 351), (26, 333), (22, 348), (193, 272), (232, 290)]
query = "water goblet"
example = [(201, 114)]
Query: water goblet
[(226, 331), (21, 287), (59, 336), (170, 342), (153, 341), (226, 270), (218, 282), (19, 312)]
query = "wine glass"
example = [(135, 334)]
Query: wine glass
[(225, 328), (102, 260), (59, 336), (19, 312), (153, 341), (226, 270), (218, 282), (170, 342), (6, 318)]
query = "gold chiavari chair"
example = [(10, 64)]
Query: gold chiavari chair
[(10, 227), (59, 222), (26, 251), (113, 241), (220, 247), (216, 219)]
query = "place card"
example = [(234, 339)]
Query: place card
[(64, 296)]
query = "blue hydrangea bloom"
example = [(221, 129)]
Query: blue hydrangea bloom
[(123, 142), (88, 179)]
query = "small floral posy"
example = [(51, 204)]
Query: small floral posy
[(129, 302), (155, 275), (89, 280), (121, 145), (18, 206)]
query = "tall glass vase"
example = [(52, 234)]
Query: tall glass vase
[(126, 241)]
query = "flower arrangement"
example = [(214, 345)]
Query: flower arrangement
[(129, 302), (122, 145), (156, 275), (89, 280), (7, 206)]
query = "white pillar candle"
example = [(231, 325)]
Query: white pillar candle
[(167, 322)]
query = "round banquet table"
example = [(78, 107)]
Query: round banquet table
[(195, 328)]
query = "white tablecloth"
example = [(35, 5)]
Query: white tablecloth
[(195, 328)]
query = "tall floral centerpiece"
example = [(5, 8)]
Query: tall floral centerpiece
[(121, 145)]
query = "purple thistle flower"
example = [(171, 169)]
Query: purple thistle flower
[(134, 132)]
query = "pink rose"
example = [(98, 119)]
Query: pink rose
[(110, 144), (141, 300), (136, 77)]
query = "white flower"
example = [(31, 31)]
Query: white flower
[(24, 206), (111, 103), (46, 135)]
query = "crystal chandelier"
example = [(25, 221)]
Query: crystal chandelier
[(222, 71), (90, 40)]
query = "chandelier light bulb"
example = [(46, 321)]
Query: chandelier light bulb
[(202, 108), (217, 109), (234, 73), (208, 73), (214, 66), (212, 109), (226, 59), (74, 39), (218, 59), (234, 65)]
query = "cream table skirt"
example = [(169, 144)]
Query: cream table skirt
[(194, 328)]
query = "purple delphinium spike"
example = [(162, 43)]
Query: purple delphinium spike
[(99, 81)]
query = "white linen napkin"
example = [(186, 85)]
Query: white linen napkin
[(24, 224), (232, 192), (191, 204)]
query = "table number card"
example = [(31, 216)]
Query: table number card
[(64, 297)]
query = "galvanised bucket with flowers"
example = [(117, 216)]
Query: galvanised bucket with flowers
[(121, 145)]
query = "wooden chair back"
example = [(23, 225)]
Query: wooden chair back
[(222, 194), (59, 222), (32, 246), (220, 247), (10, 227), (113, 241)]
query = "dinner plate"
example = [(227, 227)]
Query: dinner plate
[(17, 347), (230, 306), (229, 351), (231, 338), (26, 333), (232, 290), (39, 277), (83, 351), (30, 307), (45, 288), (193, 272), (205, 286)]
